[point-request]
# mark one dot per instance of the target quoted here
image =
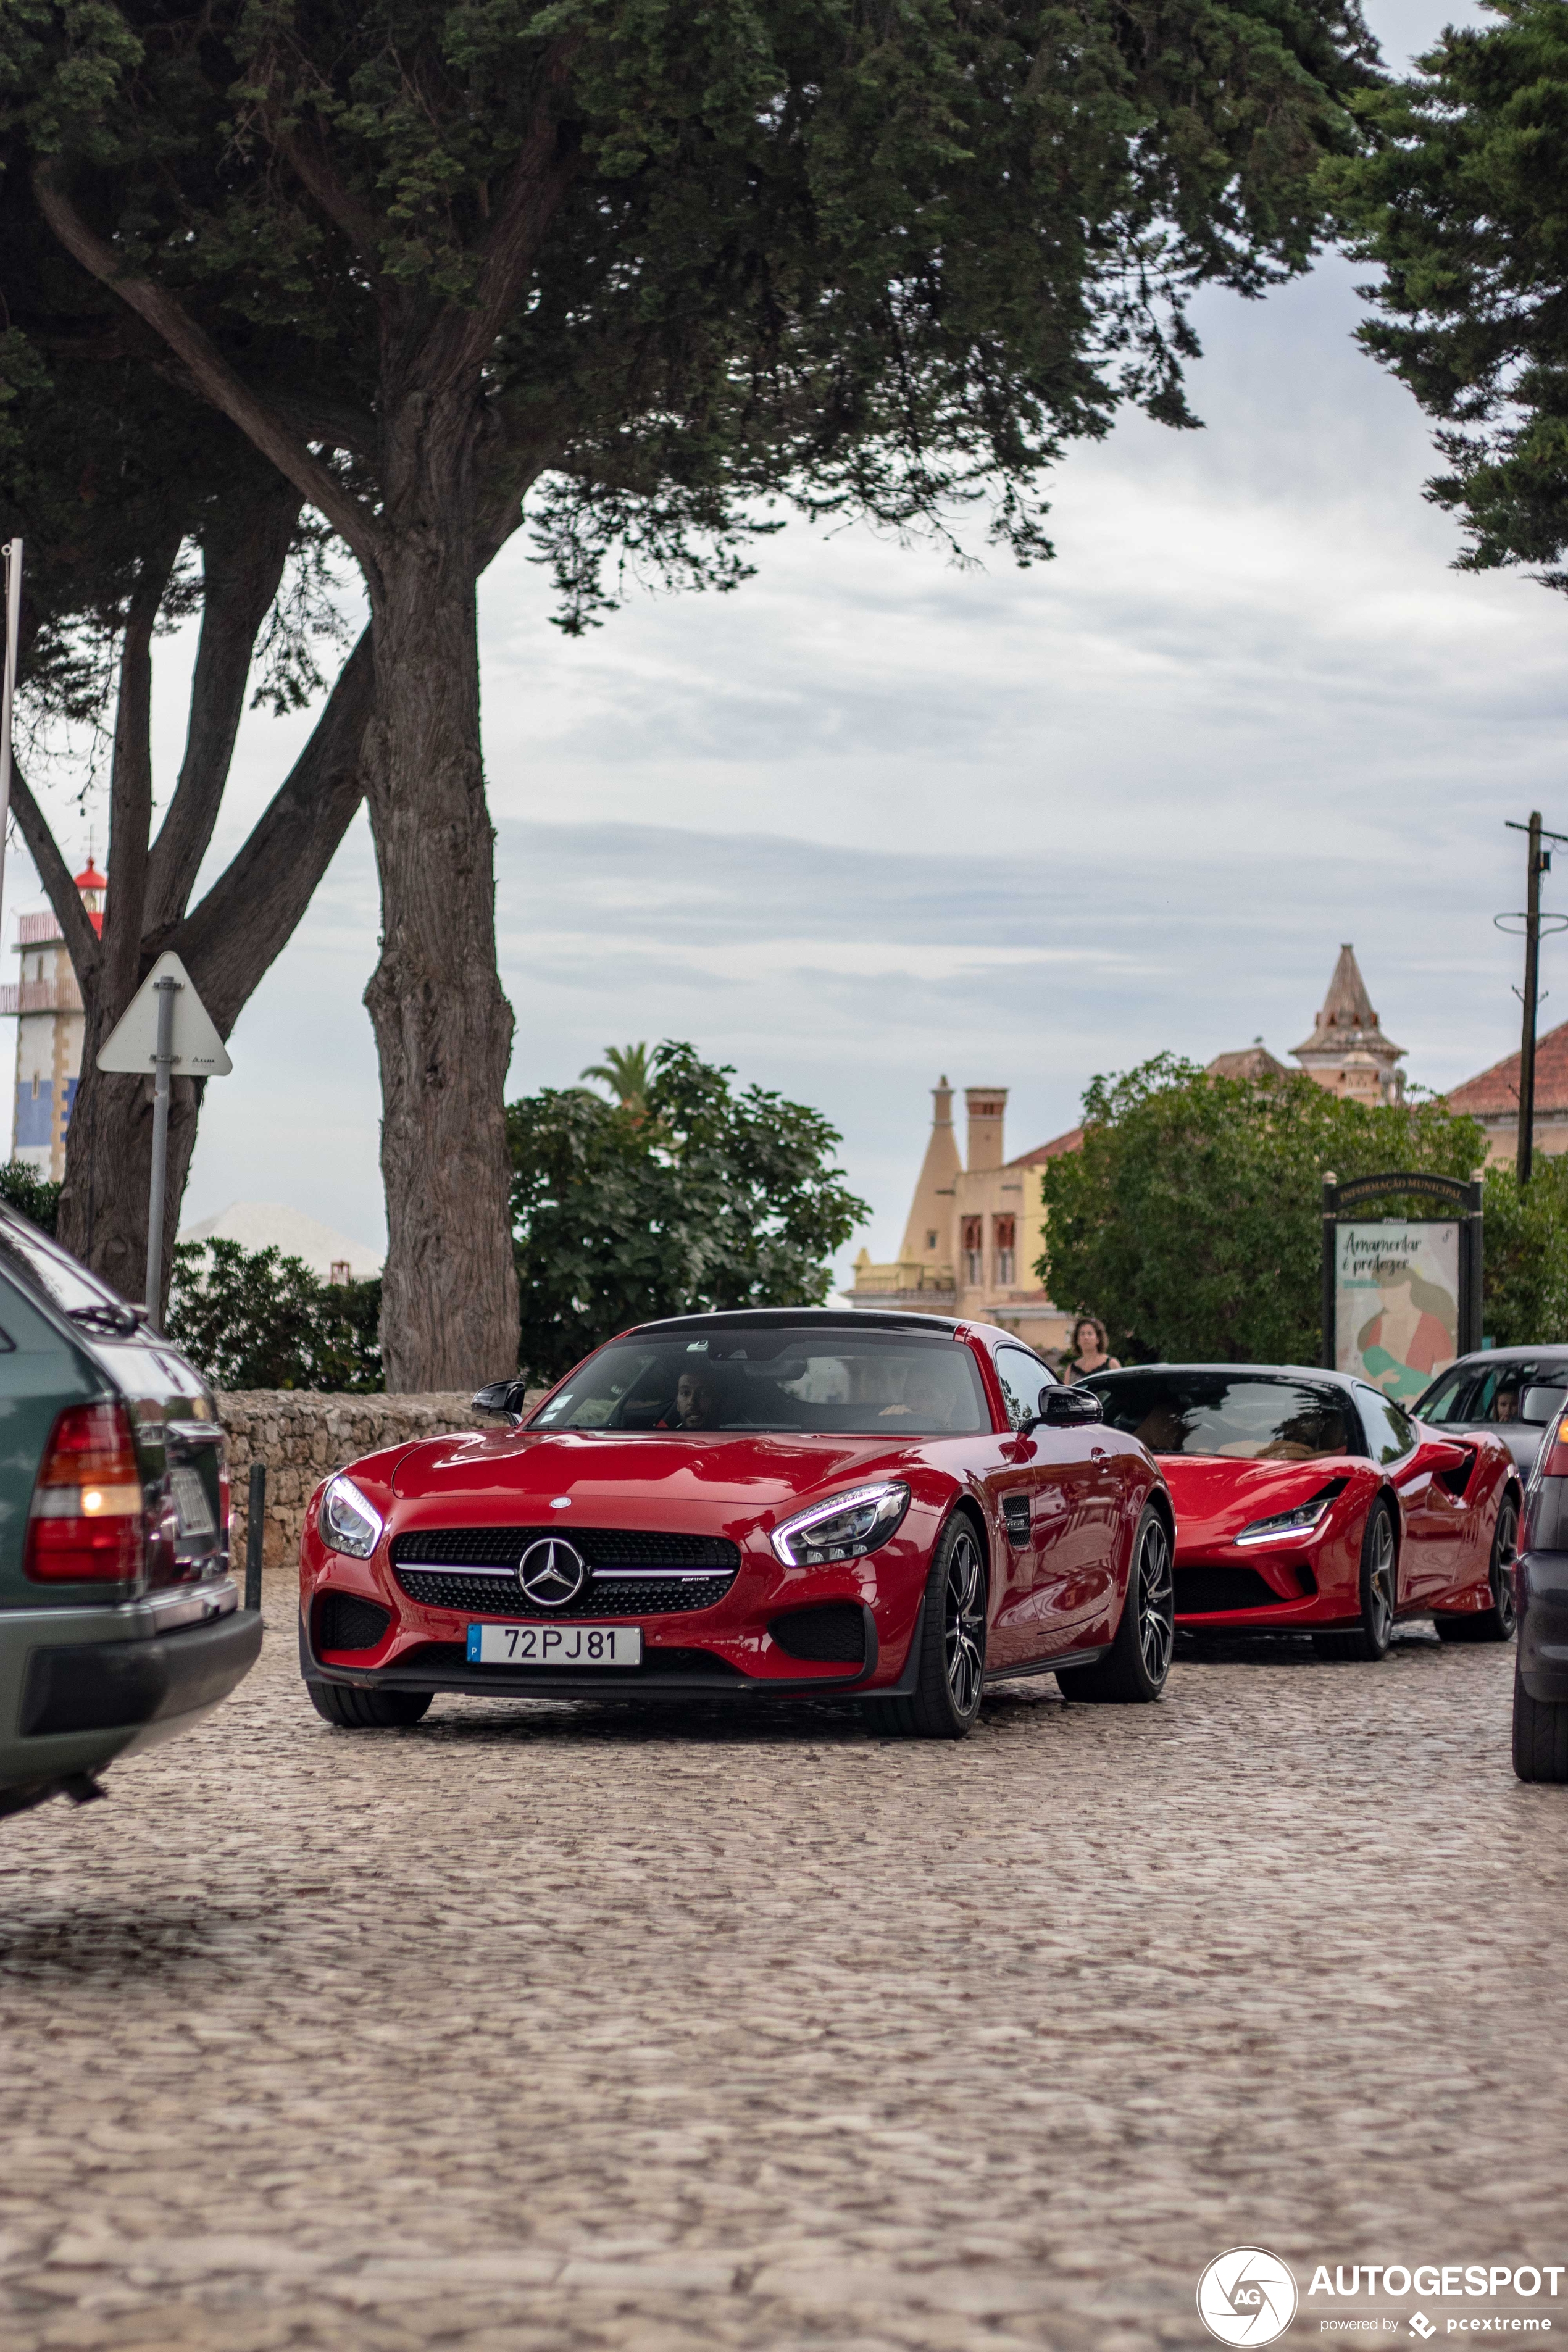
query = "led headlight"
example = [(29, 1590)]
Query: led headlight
[(1302, 1521), (347, 1521), (846, 1527)]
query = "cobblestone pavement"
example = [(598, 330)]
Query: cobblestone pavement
[(574, 2026)]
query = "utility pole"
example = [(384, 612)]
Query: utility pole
[(12, 552), (1531, 990), (1540, 864)]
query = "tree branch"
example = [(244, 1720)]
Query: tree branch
[(81, 939), (547, 164), (243, 558), (131, 784), (211, 375), (248, 916), (306, 153)]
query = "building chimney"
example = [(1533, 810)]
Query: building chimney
[(986, 1105)]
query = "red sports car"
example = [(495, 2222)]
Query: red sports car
[(1309, 1502), (784, 1501)]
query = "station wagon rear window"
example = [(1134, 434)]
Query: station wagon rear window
[(813, 1380)]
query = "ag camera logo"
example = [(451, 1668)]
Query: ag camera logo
[(1247, 2296)]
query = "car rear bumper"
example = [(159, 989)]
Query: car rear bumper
[(1540, 1589), (79, 1688)]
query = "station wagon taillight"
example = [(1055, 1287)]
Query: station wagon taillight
[(85, 1524)]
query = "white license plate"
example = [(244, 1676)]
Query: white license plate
[(191, 1502), (555, 1645)]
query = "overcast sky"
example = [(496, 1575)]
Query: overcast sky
[(874, 818)]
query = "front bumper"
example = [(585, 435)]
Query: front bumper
[(1240, 1594), (727, 1649), (1541, 1591)]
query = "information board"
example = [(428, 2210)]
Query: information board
[(1396, 1303)]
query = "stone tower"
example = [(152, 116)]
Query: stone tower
[(1347, 1052), (49, 1027)]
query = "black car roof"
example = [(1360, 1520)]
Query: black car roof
[(842, 1319)]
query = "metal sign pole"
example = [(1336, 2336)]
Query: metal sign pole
[(163, 1063), (13, 554), (1526, 1144)]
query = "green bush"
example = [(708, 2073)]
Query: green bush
[(255, 1319), (693, 1197), (1191, 1222), (33, 1195)]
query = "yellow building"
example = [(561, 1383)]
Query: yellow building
[(977, 1226)]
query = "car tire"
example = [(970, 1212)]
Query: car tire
[(1379, 1588), (1540, 1734), (1495, 1623), (368, 1710), (1134, 1669), (951, 1635)]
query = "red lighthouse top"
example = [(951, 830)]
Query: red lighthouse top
[(92, 886)]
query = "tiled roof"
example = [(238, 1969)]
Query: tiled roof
[(1071, 1141), (1251, 1062), (1496, 1090)]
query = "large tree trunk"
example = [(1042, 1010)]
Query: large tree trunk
[(103, 1205), (443, 1028)]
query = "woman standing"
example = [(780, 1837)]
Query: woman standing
[(1091, 1349)]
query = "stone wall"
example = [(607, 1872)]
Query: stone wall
[(302, 1434)]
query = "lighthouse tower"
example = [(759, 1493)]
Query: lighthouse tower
[(48, 1004)]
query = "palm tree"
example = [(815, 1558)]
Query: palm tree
[(624, 1070)]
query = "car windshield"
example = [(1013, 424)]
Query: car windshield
[(1232, 1414), (1497, 1393), (875, 1383)]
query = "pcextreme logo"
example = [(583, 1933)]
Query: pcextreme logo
[(1247, 2296)]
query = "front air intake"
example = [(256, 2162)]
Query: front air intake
[(833, 1634), (343, 1621)]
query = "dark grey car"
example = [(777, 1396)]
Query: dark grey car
[(1514, 1392)]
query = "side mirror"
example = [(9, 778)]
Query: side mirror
[(502, 1398), (1061, 1408), (1540, 1405)]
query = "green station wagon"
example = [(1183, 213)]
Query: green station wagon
[(120, 1623)]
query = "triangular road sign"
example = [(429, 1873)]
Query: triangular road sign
[(132, 1045)]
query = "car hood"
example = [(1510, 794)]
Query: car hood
[(697, 1481), (1215, 1497)]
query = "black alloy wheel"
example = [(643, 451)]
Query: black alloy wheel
[(951, 1637), (1379, 1597), (368, 1710), (1134, 1668), (1495, 1623)]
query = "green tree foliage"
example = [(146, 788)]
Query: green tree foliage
[(1527, 1255), (624, 1070), (1191, 1220), (32, 1195), (1460, 200), (714, 1198), (657, 265), (255, 1319)]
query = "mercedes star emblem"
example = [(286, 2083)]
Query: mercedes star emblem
[(552, 1573)]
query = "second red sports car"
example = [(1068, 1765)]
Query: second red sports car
[(1310, 1503), (772, 1503)]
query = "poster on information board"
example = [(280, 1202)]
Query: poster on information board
[(1396, 1304), (1402, 1296)]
